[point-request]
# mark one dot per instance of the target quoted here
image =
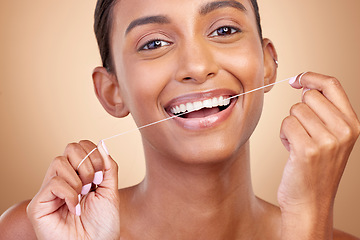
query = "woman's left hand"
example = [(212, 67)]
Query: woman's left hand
[(319, 134)]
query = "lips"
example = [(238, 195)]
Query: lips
[(201, 110)]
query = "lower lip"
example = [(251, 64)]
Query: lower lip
[(206, 122)]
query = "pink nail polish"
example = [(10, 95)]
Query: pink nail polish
[(104, 147), (292, 80), (86, 189), (78, 209), (98, 178)]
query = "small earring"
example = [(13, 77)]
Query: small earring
[(276, 62)]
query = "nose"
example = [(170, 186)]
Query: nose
[(196, 63)]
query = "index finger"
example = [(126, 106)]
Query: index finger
[(96, 158), (330, 87)]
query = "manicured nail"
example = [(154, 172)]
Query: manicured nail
[(98, 178), (292, 80), (78, 209), (86, 189), (104, 147)]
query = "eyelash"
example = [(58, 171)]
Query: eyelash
[(158, 43), (155, 43), (233, 30)]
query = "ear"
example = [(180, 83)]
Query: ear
[(270, 63), (108, 92)]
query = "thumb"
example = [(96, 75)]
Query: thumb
[(110, 168), (295, 82)]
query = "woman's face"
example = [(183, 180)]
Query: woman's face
[(172, 56)]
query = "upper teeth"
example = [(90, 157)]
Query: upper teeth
[(195, 106)]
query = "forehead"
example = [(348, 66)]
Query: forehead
[(126, 11)]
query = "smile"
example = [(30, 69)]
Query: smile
[(202, 110)]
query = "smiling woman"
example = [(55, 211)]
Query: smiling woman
[(189, 61)]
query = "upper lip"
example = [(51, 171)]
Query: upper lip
[(200, 96)]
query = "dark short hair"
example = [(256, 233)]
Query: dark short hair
[(103, 19)]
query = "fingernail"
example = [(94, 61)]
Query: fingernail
[(86, 189), (292, 80), (98, 178), (104, 147), (78, 209)]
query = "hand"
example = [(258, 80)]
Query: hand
[(55, 211), (319, 135)]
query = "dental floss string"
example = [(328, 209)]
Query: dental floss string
[(163, 120), (77, 169)]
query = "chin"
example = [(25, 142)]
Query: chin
[(209, 152)]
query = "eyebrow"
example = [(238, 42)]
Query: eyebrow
[(211, 6), (159, 19), (207, 8)]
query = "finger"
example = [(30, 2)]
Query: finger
[(75, 154), (61, 167), (334, 120), (314, 126), (110, 168), (331, 88), (294, 137), (308, 119), (295, 82), (95, 159), (52, 197)]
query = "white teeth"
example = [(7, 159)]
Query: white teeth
[(189, 107), (198, 105), (215, 102), (182, 108), (208, 103), (221, 101)]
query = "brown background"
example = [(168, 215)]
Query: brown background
[(47, 54)]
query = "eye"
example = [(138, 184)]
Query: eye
[(154, 44), (224, 31)]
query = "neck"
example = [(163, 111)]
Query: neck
[(204, 200)]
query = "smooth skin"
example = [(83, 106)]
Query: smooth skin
[(198, 183)]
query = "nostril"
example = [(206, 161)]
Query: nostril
[(211, 75), (199, 79)]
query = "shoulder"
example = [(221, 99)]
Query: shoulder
[(340, 235), (14, 223)]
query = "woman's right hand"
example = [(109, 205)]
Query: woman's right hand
[(56, 213)]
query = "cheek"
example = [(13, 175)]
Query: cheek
[(245, 61), (143, 85)]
